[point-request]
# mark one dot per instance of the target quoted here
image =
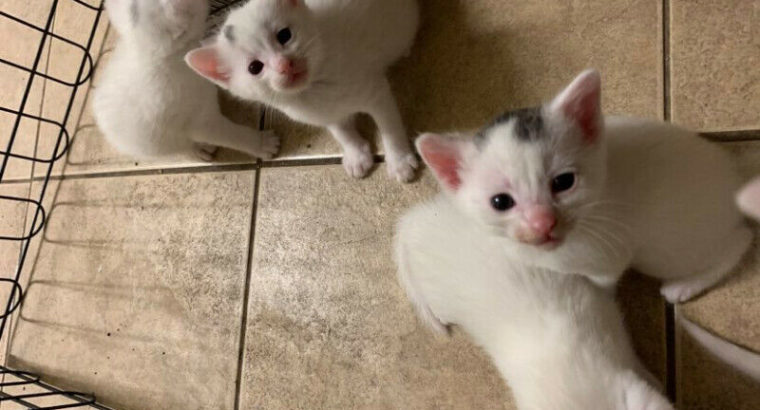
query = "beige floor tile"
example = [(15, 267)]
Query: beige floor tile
[(328, 325), (136, 289), (12, 222), (74, 22), (14, 81), (47, 98), (476, 58), (715, 55), (30, 389), (731, 311), (35, 13)]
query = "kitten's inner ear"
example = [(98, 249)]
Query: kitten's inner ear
[(444, 156), (581, 102), (205, 61)]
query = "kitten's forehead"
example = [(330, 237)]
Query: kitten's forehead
[(516, 144), (524, 124), (249, 27)]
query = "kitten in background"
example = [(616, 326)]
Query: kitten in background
[(569, 190), (149, 103), (320, 62)]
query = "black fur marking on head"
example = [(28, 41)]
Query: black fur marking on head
[(529, 124), (134, 13), (229, 33)]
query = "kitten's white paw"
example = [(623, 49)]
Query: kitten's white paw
[(205, 152), (270, 145), (358, 162), (402, 167), (680, 291)]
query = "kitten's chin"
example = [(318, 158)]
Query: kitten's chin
[(547, 244), (293, 84)]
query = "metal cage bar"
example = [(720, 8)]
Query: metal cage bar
[(11, 379), (13, 383)]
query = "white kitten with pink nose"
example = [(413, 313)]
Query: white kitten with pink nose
[(320, 62), (574, 192)]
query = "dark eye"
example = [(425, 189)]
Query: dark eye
[(284, 35), (256, 67), (502, 202), (563, 182)]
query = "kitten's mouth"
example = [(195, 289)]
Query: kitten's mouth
[(548, 242), (297, 78)]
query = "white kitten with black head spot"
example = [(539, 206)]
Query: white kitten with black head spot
[(320, 62), (557, 339), (148, 102), (572, 191)]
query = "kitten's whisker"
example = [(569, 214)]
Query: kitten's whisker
[(606, 219), (609, 247)]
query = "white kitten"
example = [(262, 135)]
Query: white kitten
[(149, 103), (570, 191), (320, 62), (558, 340)]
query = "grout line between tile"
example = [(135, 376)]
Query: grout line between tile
[(40, 108), (246, 292), (670, 352), (667, 111), (732, 136), (670, 346), (195, 169)]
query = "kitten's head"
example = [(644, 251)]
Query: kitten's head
[(533, 173), (175, 24), (265, 48)]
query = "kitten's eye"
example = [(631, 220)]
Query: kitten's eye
[(256, 67), (502, 202), (563, 182), (284, 35)]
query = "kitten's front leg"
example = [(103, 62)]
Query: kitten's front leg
[(221, 132), (357, 155), (399, 156)]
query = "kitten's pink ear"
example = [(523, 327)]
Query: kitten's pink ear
[(749, 199), (205, 61), (581, 102), (444, 156)]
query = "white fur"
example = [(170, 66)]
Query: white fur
[(649, 195), (346, 47), (148, 102), (558, 340), (741, 359)]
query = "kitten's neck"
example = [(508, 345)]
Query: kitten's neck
[(157, 50)]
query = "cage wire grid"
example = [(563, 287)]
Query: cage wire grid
[(10, 282)]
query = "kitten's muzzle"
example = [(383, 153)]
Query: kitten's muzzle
[(539, 227)]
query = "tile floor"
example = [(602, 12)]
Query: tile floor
[(176, 284)]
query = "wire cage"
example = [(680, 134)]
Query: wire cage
[(20, 389)]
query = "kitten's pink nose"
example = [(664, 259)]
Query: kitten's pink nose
[(541, 220), (284, 65)]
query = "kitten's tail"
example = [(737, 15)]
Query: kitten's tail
[(741, 359), (639, 395)]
